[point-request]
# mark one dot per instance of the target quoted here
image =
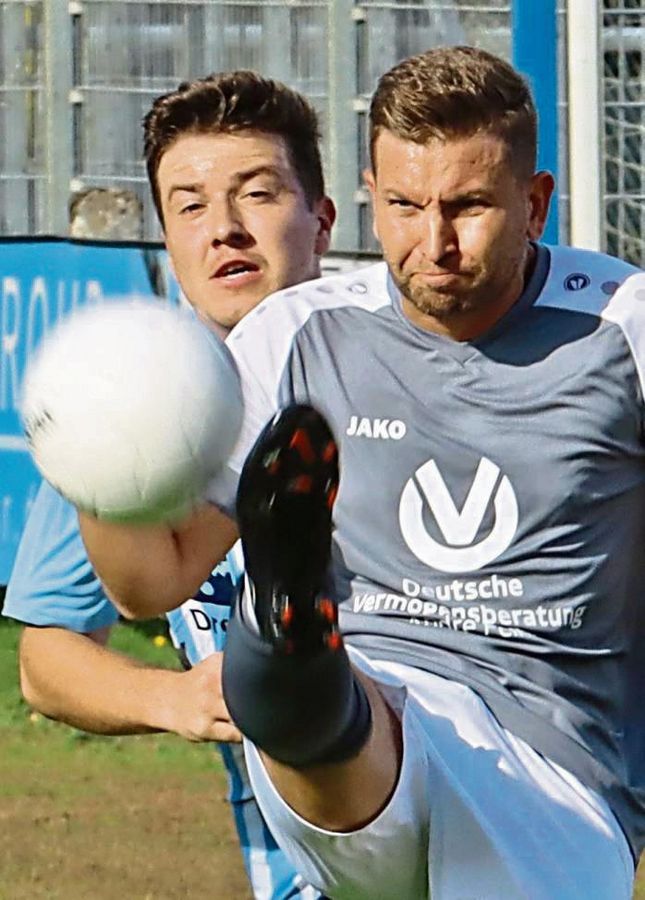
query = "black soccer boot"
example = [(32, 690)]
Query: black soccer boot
[(284, 504), (291, 689)]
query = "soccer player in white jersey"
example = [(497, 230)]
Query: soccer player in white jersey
[(472, 725), (235, 171)]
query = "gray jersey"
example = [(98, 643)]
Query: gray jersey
[(490, 522)]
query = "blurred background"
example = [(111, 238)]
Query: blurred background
[(76, 77)]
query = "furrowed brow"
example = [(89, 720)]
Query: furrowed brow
[(473, 196)]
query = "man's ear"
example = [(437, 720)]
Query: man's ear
[(370, 183), (540, 191), (370, 180), (171, 264), (326, 215)]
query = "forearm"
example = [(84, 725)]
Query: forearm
[(69, 677), (149, 570)]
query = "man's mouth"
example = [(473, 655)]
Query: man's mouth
[(235, 268), (437, 279)]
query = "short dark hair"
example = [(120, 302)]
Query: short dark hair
[(451, 92), (229, 102)]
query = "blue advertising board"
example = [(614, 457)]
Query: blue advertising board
[(41, 282)]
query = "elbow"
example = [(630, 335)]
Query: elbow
[(30, 693), (129, 613), (148, 601), (135, 609), (32, 687)]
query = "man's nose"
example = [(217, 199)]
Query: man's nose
[(227, 225), (440, 237)]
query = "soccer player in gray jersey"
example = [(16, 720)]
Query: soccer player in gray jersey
[(477, 730)]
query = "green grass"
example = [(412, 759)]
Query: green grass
[(138, 638), (12, 710), (86, 816)]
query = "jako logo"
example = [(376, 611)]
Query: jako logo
[(459, 528), (381, 429)]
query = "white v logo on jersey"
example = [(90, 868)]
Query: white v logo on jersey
[(459, 528)]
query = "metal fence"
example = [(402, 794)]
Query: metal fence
[(623, 36), (77, 77), (22, 119)]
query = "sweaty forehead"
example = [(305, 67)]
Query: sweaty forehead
[(455, 163), (224, 157)]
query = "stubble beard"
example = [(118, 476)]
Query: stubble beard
[(441, 305), (478, 293)]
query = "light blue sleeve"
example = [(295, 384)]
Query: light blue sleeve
[(52, 582)]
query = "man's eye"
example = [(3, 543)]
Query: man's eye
[(259, 194), (473, 206), (400, 203), (190, 207)]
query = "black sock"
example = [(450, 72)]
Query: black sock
[(300, 708)]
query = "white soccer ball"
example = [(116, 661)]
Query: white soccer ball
[(130, 408)]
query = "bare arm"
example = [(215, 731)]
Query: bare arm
[(75, 679), (149, 570)]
